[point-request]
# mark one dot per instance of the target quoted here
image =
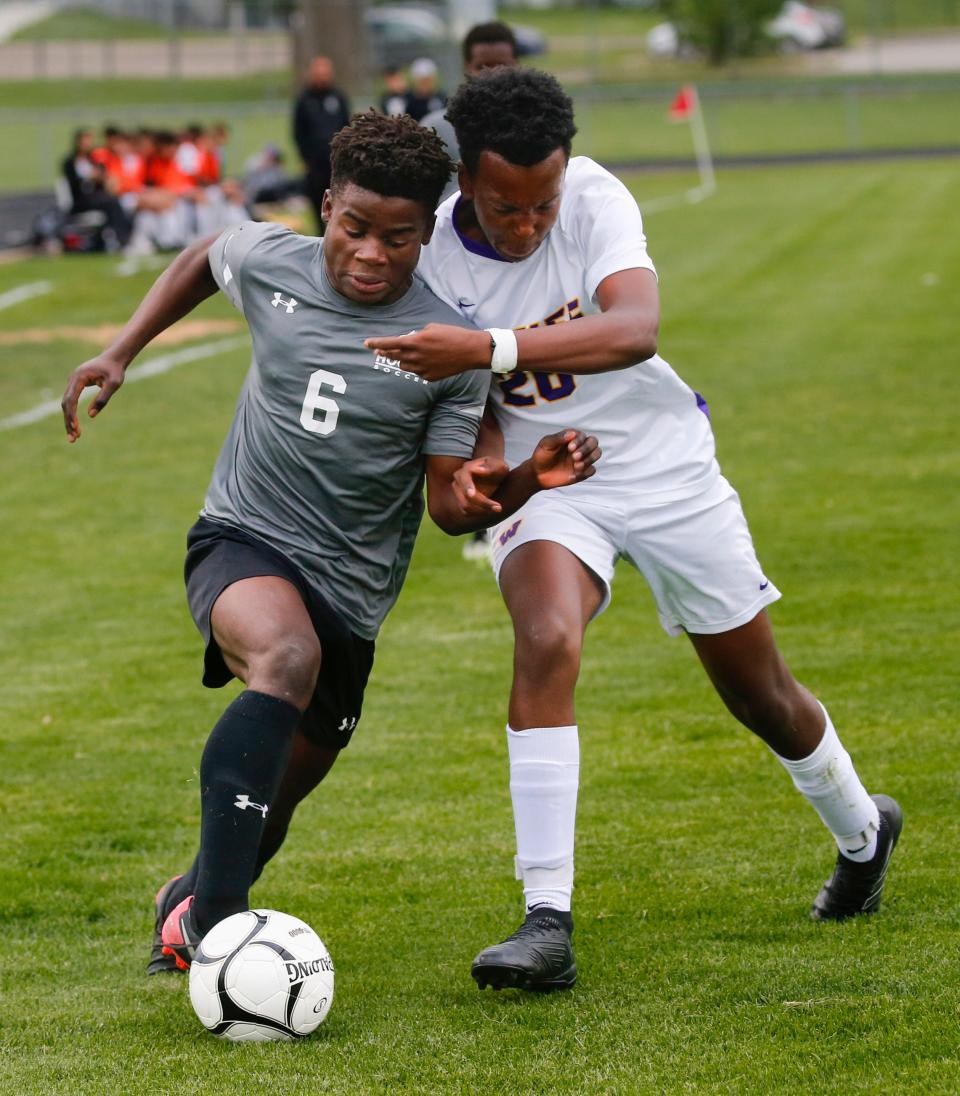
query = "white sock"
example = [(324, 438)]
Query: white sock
[(829, 782), (544, 776)]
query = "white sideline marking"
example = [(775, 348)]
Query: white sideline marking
[(671, 201), (24, 293), (152, 368), (128, 267)]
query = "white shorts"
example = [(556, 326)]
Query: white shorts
[(696, 553)]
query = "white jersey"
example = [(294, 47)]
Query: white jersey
[(652, 427)]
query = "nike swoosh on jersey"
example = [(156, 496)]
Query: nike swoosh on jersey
[(474, 412)]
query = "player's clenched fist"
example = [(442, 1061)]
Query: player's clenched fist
[(103, 372), (558, 460), (565, 458), (475, 482)]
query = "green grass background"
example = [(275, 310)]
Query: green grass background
[(770, 104), (815, 308), (585, 19), (791, 117)]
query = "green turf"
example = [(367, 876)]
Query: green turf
[(815, 308), (778, 118), (893, 16), (589, 19)]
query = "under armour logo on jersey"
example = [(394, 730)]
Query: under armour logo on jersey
[(288, 305), (347, 723), (244, 801)]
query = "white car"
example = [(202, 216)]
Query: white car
[(796, 27), (800, 26)]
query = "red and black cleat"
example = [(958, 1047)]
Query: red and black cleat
[(160, 963), (179, 935)]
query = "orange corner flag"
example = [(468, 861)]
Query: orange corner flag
[(684, 104)]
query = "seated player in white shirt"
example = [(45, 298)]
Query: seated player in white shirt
[(535, 241)]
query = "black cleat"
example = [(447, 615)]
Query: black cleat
[(538, 956), (160, 963), (857, 888)]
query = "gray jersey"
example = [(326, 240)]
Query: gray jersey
[(325, 456), (437, 121)]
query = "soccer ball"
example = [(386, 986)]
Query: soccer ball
[(261, 975)]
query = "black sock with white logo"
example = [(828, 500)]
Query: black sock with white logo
[(243, 763)]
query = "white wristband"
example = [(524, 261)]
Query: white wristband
[(504, 357)]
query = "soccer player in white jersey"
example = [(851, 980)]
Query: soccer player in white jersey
[(548, 254)]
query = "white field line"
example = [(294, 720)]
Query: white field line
[(126, 268), (24, 293), (671, 201), (152, 368)]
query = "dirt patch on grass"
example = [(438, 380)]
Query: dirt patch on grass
[(102, 334)]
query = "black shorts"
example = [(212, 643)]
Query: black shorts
[(219, 555)]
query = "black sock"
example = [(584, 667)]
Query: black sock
[(274, 834), (273, 837), (243, 763), (184, 886)]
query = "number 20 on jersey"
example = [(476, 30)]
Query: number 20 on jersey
[(546, 386)]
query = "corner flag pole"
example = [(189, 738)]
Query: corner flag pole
[(686, 108), (701, 146)]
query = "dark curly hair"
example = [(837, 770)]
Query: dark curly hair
[(392, 156), (488, 34), (521, 114)]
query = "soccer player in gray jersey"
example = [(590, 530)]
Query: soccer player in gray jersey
[(309, 521)]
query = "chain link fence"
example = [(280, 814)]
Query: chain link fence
[(615, 126), (233, 38), (250, 41)]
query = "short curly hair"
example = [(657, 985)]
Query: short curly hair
[(488, 34), (521, 114), (392, 156)]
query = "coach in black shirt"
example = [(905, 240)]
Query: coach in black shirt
[(320, 112)]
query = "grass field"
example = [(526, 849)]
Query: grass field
[(792, 116), (816, 309), (88, 23), (584, 20)]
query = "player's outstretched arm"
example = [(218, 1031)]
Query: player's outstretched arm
[(463, 496), (623, 333), (180, 288)]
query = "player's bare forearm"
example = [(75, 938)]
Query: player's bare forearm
[(599, 343), (623, 333), (185, 283), (178, 290), (464, 496), (490, 436), (517, 487)]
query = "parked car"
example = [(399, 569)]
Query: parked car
[(797, 26), (802, 27)]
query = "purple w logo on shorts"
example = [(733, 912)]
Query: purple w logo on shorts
[(504, 537)]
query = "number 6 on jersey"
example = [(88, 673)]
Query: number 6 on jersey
[(314, 402)]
